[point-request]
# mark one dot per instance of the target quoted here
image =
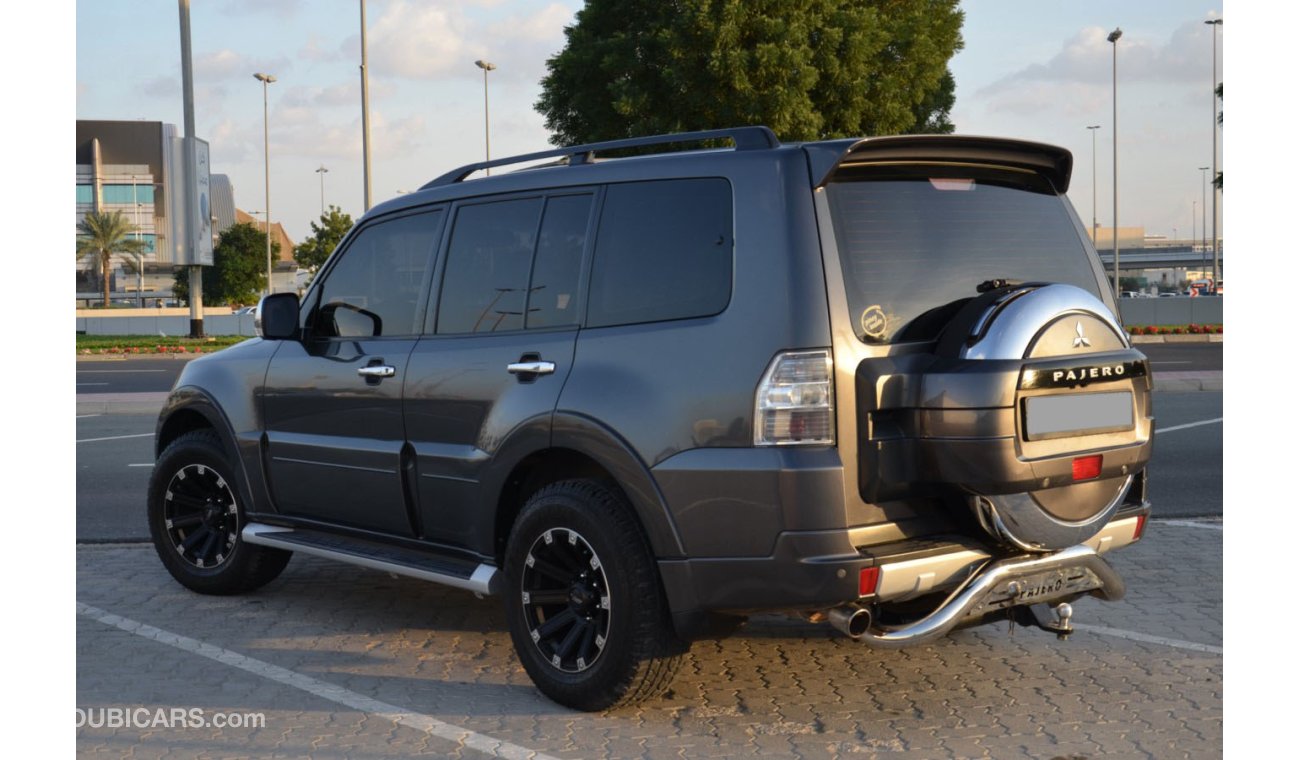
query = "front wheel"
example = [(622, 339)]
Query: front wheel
[(195, 516), (586, 611)]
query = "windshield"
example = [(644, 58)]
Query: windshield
[(916, 242)]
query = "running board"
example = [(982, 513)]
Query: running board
[(481, 578)]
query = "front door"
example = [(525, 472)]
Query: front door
[(335, 436)]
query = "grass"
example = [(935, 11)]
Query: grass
[(153, 344)]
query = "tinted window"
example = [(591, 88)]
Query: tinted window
[(553, 292), (485, 287), (664, 251), (374, 289), (915, 243)]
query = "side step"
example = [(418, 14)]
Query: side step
[(480, 578)]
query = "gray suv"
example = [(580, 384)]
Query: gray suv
[(875, 382)]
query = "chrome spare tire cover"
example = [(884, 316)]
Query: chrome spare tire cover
[(1039, 321)]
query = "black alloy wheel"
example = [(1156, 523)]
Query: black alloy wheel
[(201, 516), (196, 512), (566, 599)]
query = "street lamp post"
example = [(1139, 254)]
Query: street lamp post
[(1113, 39), (1214, 149), (365, 111), (487, 142), (266, 80), (322, 171), (1093, 129), (1204, 208)]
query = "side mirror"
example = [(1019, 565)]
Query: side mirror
[(277, 316)]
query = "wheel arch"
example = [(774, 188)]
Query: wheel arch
[(583, 448)]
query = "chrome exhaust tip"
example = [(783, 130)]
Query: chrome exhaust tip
[(850, 619)]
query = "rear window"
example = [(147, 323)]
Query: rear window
[(916, 242)]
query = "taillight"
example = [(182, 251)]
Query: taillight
[(795, 403), (1140, 528)]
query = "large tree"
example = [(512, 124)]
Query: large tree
[(238, 271), (313, 251), (809, 69), (100, 236)]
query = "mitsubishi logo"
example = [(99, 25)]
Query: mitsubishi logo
[(1080, 341)]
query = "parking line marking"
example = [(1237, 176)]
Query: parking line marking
[(125, 371), (79, 384), (146, 464), (1189, 425), (84, 416), (1193, 524), (1147, 638), (1187, 362), (114, 438), (462, 737)]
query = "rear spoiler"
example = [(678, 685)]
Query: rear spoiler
[(826, 158)]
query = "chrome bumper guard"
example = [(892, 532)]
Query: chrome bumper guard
[(1008, 583)]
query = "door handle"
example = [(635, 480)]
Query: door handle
[(531, 368), (377, 370)]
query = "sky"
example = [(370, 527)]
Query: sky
[(1030, 69)]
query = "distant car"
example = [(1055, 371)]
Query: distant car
[(1130, 294), (245, 310), (1168, 295)]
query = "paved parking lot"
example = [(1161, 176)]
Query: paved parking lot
[(344, 662)]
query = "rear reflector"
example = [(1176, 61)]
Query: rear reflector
[(1086, 468), (1140, 527), (867, 580)]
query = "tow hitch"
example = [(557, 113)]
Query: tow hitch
[(1053, 619)]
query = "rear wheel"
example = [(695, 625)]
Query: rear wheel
[(195, 516), (586, 611)]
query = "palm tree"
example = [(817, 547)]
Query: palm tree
[(99, 236)]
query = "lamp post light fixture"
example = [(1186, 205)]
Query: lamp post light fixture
[(266, 80), (1215, 23), (487, 141), (1093, 129), (1113, 39), (322, 171)]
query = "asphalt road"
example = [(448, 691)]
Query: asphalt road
[(1183, 357), (128, 375)]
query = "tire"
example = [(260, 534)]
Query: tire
[(195, 514), (579, 571)]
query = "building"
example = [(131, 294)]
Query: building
[(127, 166), (278, 235)]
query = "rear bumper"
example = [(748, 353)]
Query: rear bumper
[(796, 576)]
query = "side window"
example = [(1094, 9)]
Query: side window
[(553, 290), (485, 288), (374, 289), (664, 251)]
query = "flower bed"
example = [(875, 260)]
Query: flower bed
[(1192, 329), (152, 344)]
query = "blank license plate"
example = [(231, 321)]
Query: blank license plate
[(1078, 414)]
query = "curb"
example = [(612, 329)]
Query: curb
[(1210, 338), (124, 357)]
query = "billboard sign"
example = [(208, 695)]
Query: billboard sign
[(192, 238)]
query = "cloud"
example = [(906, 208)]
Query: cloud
[(1086, 58), (344, 95), (227, 64), (416, 40), (162, 87), (280, 8), (313, 51)]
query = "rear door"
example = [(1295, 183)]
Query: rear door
[(500, 345), (333, 401)]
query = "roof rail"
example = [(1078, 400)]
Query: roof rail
[(745, 138)]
